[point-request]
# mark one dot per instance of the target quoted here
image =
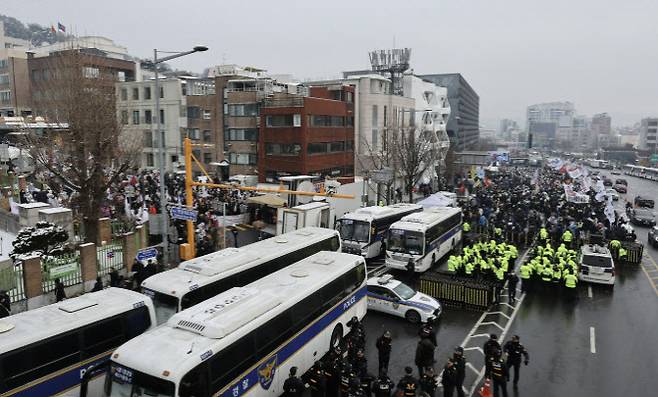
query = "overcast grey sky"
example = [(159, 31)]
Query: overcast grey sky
[(600, 54)]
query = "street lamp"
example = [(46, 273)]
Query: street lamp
[(163, 147)]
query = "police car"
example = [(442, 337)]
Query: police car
[(387, 295)]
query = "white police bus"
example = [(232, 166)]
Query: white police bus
[(46, 351), (202, 278), (363, 231), (424, 237), (244, 341)]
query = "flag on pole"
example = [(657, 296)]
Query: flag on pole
[(609, 211), (61, 27)]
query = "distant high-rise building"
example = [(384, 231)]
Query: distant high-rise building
[(14, 77), (602, 131), (648, 134), (464, 121), (507, 126), (550, 123)]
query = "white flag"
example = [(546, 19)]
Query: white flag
[(609, 210)]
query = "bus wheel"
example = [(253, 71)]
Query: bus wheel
[(412, 316), (336, 336)]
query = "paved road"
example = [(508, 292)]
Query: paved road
[(605, 344)]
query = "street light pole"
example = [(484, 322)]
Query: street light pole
[(163, 149)]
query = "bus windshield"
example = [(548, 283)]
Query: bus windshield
[(165, 305), (405, 241), (129, 383), (354, 230)]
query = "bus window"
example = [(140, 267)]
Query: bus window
[(102, 336)]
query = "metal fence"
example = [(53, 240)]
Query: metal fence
[(65, 267), (109, 256), (11, 280), (119, 228)]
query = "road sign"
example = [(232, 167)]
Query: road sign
[(184, 214), (384, 175), (146, 254)]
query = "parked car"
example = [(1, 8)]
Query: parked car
[(607, 182), (653, 236), (615, 172), (621, 181), (388, 295), (642, 216), (643, 202), (613, 193), (596, 265), (620, 188)]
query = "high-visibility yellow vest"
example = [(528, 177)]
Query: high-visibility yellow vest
[(525, 272), (570, 281)]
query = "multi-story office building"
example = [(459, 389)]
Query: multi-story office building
[(648, 134), (550, 124), (14, 78), (464, 122), (307, 135), (187, 109), (602, 131), (377, 111)]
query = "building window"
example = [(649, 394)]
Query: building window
[(161, 92), (206, 114), (162, 116), (349, 97), (247, 109), (36, 75), (207, 136), (242, 158), (4, 79), (148, 117), (193, 112), (349, 121), (124, 117), (88, 72), (375, 116), (337, 146), (280, 120), (317, 148), (283, 149), (147, 139), (124, 94), (5, 96), (207, 158), (349, 146), (375, 136), (3, 63), (327, 121), (149, 160), (135, 94), (135, 117), (241, 134), (385, 109), (653, 123), (147, 92)]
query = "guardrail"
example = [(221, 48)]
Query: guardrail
[(458, 291)]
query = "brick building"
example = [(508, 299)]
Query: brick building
[(307, 135)]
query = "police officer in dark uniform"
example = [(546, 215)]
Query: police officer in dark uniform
[(382, 386), (347, 375), (332, 371), (427, 331), (317, 380), (512, 281), (427, 382), (384, 349), (496, 370), (449, 379), (360, 364), (459, 363), (293, 386), (367, 379), (355, 389), (490, 346), (408, 384), (514, 350)]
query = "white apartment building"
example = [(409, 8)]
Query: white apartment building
[(431, 114), (136, 112), (550, 123)]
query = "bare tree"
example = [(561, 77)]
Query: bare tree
[(414, 154), (90, 153)]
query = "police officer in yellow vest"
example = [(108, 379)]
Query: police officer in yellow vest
[(570, 282), (567, 237), (526, 272)]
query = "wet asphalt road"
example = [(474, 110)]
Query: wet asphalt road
[(625, 327), (599, 346)]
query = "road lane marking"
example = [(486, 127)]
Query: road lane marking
[(494, 324), (646, 273), (589, 291), (500, 313), (592, 340)]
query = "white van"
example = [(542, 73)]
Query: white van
[(596, 265)]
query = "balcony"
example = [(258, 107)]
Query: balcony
[(285, 102)]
